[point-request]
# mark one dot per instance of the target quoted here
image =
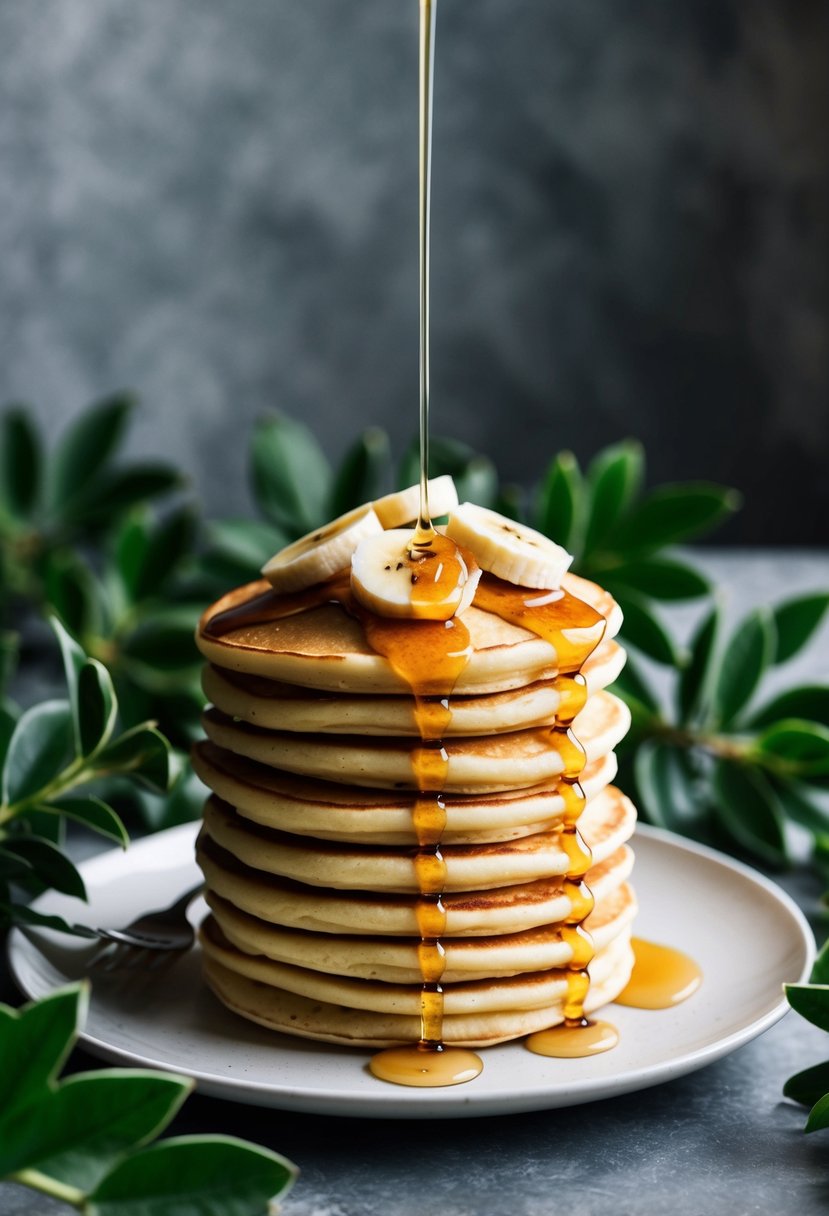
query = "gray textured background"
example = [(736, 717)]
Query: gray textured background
[(213, 203)]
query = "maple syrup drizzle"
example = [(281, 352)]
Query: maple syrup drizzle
[(430, 656), (662, 977), (553, 615)]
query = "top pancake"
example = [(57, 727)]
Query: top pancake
[(276, 706), (325, 648)]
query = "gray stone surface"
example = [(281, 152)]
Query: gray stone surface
[(719, 1141), (214, 204)]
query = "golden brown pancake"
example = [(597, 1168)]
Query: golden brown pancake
[(272, 705), (330, 811), (481, 763), (396, 959), (326, 648), (533, 1002), (606, 822)]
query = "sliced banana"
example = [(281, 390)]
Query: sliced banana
[(391, 578), (403, 507), (511, 551), (319, 555)]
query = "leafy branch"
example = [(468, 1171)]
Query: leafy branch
[(87, 1140), (713, 763), (811, 1001), (52, 759)]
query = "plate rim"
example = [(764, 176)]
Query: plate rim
[(452, 1102)]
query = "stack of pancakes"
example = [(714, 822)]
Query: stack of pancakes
[(308, 844)]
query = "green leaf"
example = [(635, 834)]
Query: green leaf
[(20, 464), (74, 660), (796, 622), (102, 501), (52, 867), (34, 1043), (91, 694), (165, 640), (248, 542), (183, 803), (613, 481), (7, 724), (559, 500), (750, 810), (631, 684), (97, 706), (130, 546), (291, 476), (811, 1001), (361, 475), (40, 747), (9, 651), (193, 1176), (87, 447), (820, 968), (666, 786), (644, 630), (92, 813), (796, 748), (799, 808), (745, 659), (22, 915), (809, 1086), (695, 677), (12, 867), (818, 1115), (675, 513), (810, 702), (78, 1131), (73, 593), (662, 578), (165, 548), (143, 752)]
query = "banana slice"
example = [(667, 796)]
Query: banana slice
[(404, 506), (511, 551), (391, 578), (319, 555)]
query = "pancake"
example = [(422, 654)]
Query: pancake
[(396, 960), (271, 705), (325, 648), (606, 822), (534, 1003), (510, 909), (475, 764), (329, 811)]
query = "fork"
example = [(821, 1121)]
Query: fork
[(150, 939)]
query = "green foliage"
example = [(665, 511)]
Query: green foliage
[(721, 768), (811, 1001), (88, 1139), (616, 532), (52, 751)]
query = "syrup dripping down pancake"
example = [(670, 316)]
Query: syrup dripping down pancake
[(312, 1018), (475, 764), (329, 811), (396, 960), (270, 705), (607, 822), (325, 648)]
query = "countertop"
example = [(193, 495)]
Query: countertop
[(720, 1140)]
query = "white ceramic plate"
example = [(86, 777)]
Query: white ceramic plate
[(746, 934)]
